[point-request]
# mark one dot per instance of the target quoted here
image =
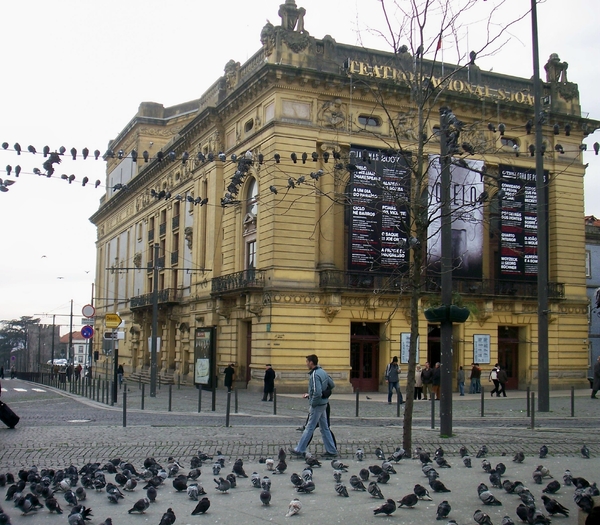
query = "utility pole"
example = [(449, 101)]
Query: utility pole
[(542, 241), (53, 328), (153, 346), (70, 354)]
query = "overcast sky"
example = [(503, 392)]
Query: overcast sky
[(75, 72)]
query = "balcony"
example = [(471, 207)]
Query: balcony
[(175, 222), (150, 235), (162, 229), (174, 257), (391, 284), (165, 297), (251, 279)]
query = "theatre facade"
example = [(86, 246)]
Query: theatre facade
[(270, 219)]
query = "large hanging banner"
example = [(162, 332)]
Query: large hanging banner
[(518, 223), (466, 188), (378, 222)]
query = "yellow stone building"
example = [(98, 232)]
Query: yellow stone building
[(254, 213)]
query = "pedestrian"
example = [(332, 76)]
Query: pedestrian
[(120, 372), (426, 379), (596, 382), (269, 381), (502, 379), (78, 372), (418, 383), (461, 380), (1, 372), (392, 372), (229, 373), (494, 378), (436, 380), (69, 372), (319, 384), (13, 372), (475, 379)]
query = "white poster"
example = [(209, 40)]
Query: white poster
[(481, 348), (405, 347)]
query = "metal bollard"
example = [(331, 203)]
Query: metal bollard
[(159, 382), (572, 401), (357, 402), (111, 394), (532, 410), (179, 382), (139, 383), (102, 390), (143, 394), (482, 402), (235, 401), (528, 402), (432, 397), (170, 396), (214, 398), (228, 407), (274, 401), (199, 398), (398, 407), (125, 408)]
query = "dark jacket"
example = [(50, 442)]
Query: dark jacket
[(269, 380), (596, 385), (427, 376), (502, 376), (437, 376), (391, 372)]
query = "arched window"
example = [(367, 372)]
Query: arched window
[(250, 217)]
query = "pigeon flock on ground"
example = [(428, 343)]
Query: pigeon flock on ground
[(137, 490)]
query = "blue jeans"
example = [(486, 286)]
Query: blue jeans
[(391, 386), (317, 415), (461, 388)]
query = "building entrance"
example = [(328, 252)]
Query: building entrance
[(364, 356), (508, 354)]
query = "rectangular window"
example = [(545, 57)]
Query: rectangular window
[(251, 254), (80, 349), (588, 263), (269, 112)]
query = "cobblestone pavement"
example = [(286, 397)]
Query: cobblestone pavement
[(59, 428)]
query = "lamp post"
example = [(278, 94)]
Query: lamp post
[(542, 244), (154, 341)]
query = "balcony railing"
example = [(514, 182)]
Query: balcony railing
[(166, 296), (175, 257), (175, 222), (162, 229), (387, 283), (239, 281)]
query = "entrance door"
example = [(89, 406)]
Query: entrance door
[(434, 345), (508, 354), (364, 356), (248, 351)]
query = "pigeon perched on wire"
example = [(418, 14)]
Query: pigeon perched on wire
[(387, 508), (202, 507), (443, 510)]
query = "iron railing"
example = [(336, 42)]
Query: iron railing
[(166, 296), (239, 281)]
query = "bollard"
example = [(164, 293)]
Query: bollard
[(170, 396), (532, 410), (125, 408), (111, 394), (482, 402), (214, 398), (398, 407), (102, 391), (357, 402), (274, 401), (432, 397), (228, 407), (159, 383), (528, 402), (235, 401), (143, 394), (572, 401), (199, 398), (179, 382), (140, 383)]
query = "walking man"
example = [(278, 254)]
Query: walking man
[(392, 372), (435, 381), (461, 380), (596, 383), (502, 379), (494, 377), (318, 381), (475, 379), (426, 378), (229, 372), (269, 381)]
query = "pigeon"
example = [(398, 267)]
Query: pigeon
[(463, 451), (294, 507), (507, 520), (379, 453), (543, 451), (482, 452), (443, 510), (500, 469), (356, 483), (360, 454), (112, 497), (364, 474), (216, 469), (482, 518), (585, 452), (410, 500), (130, 485), (544, 471), (265, 483), (307, 474), (383, 478), (580, 482), (467, 461), (421, 492), (25, 505), (52, 505), (387, 466), (193, 491), (112, 489), (432, 474), (202, 507), (107, 521), (270, 463), (397, 455), (151, 494), (341, 490), (71, 498), (255, 479), (583, 501), (486, 496), (522, 512), (232, 480), (281, 467), (223, 485), (265, 497), (337, 476), (442, 463), (437, 486), (495, 479), (374, 490), (141, 505), (486, 466), (307, 486), (537, 477), (519, 457), (168, 518), (338, 465), (554, 507), (375, 470), (424, 457), (238, 469), (527, 498), (194, 474), (312, 461), (294, 478), (387, 508), (552, 487)]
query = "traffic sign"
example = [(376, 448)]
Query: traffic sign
[(114, 336), (87, 332), (88, 311), (112, 320)]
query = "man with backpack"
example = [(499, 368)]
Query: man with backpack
[(392, 372)]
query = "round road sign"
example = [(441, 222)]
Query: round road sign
[(87, 332), (88, 311)]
